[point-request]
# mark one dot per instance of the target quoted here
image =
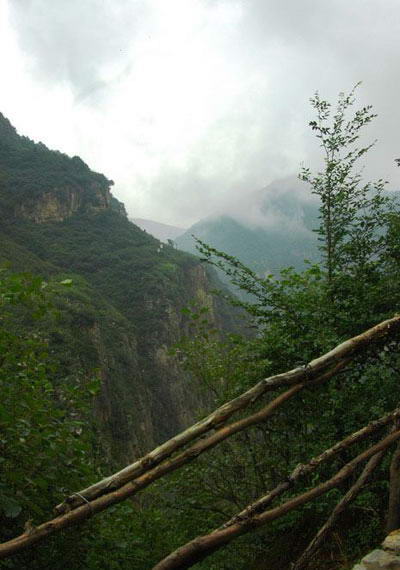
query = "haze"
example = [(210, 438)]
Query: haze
[(190, 105)]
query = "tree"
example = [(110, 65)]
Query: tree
[(301, 314), (350, 209), (44, 443)]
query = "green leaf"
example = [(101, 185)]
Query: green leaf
[(10, 507)]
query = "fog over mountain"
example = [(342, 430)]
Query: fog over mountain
[(189, 105), (280, 204), (269, 230)]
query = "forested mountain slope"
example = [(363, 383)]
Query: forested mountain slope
[(123, 310), (267, 230)]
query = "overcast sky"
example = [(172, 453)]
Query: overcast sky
[(190, 104)]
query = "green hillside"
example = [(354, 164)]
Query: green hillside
[(123, 311)]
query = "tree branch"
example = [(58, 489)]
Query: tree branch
[(88, 508), (158, 463), (337, 511), (347, 349), (202, 546)]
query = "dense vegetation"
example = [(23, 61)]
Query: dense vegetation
[(298, 315), (29, 169), (113, 322), (45, 441)]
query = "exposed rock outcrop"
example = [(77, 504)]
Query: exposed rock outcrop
[(57, 206), (386, 558)]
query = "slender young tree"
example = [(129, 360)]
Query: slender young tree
[(351, 210)]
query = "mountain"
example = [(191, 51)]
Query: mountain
[(124, 310), (163, 232), (267, 230)]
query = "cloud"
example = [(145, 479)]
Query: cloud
[(280, 204), (85, 44), (191, 104)]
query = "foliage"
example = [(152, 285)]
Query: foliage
[(45, 442), (300, 315), (122, 306), (119, 273), (354, 215), (29, 169)]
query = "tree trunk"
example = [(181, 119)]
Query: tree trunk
[(393, 520)]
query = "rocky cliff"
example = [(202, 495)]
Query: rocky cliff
[(124, 309), (385, 558), (41, 185), (50, 207)]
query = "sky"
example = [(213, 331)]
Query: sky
[(190, 106)]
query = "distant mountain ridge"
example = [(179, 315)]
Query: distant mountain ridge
[(267, 230), (161, 231)]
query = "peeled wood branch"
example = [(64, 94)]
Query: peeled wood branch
[(101, 503), (118, 487), (305, 469), (202, 546), (347, 349), (85, 511), (351, 494)]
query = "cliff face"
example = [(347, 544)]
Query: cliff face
[(55, 207), (145, 397), (40, 185), (124, 310)]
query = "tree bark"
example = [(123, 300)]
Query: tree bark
[(116, 488), (202, 546), (347, 349), (303, 470), (99, 504)]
